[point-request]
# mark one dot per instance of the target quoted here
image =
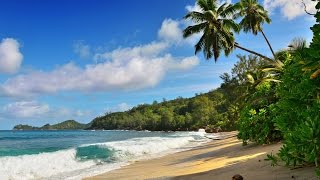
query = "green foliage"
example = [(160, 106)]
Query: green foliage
[(254, 16), (258, 126), (255, 102), (273, 158), (178, 114), (217, 28), (312, 63), (318, 172), (24, 127), (296, 113), (69, 124)]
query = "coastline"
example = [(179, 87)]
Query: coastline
[(217, 159)]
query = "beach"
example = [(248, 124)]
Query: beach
[(218, 159)]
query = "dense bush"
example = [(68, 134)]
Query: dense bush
[(297, 113), (298, 116), (256, 120)]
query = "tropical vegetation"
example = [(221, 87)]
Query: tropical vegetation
[(277, 100), (65, 125), (180, 114)]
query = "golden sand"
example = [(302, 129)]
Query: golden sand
[(216, 160)]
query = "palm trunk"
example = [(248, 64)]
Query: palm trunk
[(265, 37), (252, 52)]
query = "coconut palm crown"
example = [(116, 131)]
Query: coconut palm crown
[(253, 17), (217, 26)]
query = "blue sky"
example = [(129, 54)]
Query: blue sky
[(77, 60)]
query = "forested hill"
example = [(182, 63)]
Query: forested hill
[(69, 124), (217, 108), (212, 108)]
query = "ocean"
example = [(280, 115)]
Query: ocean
[(79, 154)]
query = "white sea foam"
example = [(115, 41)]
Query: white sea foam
[(41, 165), (64, 165), (137, 148)]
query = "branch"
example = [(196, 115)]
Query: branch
[(305, 9)]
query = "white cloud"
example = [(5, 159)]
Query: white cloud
[(290, 8), (150, 50), (81, 49), (117, 108), (123, 69), (195, 8), (10, 56), (35, 110), (25, 109), (65, 113), (170, 31), (123, 107), (184, 64)]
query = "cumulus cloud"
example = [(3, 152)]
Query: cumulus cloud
[(25, 109), (123, 107), (122, 69), (184, 64), (117, 108), (170, 31), (10, 56), (36, 110), (125, 68), (150, 50), (290, 8), (65, 113), (81, 49)]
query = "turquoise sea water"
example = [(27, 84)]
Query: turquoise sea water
[(77, 154)]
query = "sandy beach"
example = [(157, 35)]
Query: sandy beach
[(218, 159)]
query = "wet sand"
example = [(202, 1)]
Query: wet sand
[(218, 159)]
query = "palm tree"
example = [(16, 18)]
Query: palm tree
[(274, 69), (217, 28), (254, 15)]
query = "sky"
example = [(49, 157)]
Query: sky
[(78, 60)]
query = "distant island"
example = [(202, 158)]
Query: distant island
[(65, 125)]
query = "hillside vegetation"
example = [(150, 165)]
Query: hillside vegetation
[(65, 125)]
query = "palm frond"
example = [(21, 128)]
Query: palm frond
[(232, 24), (228, 11), (200, 44), (195, 16), (191, 30)]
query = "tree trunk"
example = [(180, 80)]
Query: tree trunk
[(252, 52), (265, 37)]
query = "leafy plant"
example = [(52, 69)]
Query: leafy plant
[(273, 158)]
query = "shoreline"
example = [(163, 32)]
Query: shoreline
[(217, 159)]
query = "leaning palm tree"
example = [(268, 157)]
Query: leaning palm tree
[(274, 69), (217, 27), (254, 16)]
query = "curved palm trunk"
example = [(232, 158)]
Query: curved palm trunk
[(265, 37), (252, 52)]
